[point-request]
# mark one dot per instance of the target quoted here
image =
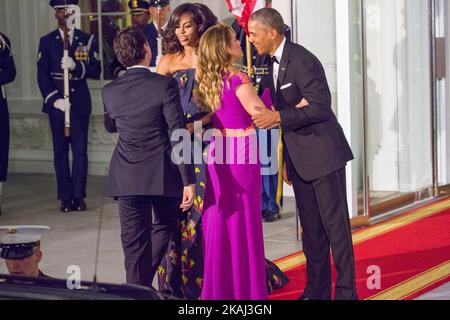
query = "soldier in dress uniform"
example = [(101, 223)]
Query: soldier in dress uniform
[(144, 15), (7, 75), (83, 63), (272, 199), (20, 247)]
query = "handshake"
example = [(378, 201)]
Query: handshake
[(270, 119)]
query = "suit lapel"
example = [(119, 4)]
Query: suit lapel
[(283, 64)]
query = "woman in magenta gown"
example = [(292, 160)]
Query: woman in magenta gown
[(234, 267)]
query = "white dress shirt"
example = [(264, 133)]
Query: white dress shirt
[(276, 66)]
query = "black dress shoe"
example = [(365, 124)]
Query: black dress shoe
[(79, 205), (66, 206), (272, 216)]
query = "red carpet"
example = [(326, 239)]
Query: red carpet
[(413, 256)]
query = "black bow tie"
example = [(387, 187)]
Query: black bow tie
[(274, 60)]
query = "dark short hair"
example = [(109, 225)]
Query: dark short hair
[(270, 18), (203, 17), (129, 46)]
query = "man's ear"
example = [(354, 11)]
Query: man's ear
[(151, 11), (273, 34)]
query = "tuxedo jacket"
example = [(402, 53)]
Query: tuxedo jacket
[(313, 139), (145, 109)]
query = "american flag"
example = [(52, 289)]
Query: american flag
[(243, 9)]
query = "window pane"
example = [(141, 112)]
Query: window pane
[(107, 6), (111, 25)]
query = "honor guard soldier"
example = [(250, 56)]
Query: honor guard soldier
[(7, 75), (20, 247), (272, 186), (83, 62), (144, 15)]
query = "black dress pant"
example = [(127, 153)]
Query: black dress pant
[(145, 242), (324, 217)]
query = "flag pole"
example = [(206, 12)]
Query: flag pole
[(249, 57)]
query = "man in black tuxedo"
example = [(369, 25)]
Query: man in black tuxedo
[(145, 109), (316, 154)]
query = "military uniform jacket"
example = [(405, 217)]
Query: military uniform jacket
[(84, 51), (7, 66)]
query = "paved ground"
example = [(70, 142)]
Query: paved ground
[(30, 200)]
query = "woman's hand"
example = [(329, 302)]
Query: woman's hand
[(190, 128), (304, 103), (188, 197)]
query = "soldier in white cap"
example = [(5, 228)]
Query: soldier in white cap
[(20, 247)]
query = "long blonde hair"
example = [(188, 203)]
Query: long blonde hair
[(214, 62)]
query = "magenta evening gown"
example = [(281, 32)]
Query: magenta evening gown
[(234, 267)]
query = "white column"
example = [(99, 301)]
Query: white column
[(382, 94), (31, 150), (316, 20)]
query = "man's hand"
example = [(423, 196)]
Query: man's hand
[(68, 63), (188, 197), (62, 104), (302, 104), (266, 119), (286, 176)]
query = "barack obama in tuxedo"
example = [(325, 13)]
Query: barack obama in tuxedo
[(315, 151), (145, 109)]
